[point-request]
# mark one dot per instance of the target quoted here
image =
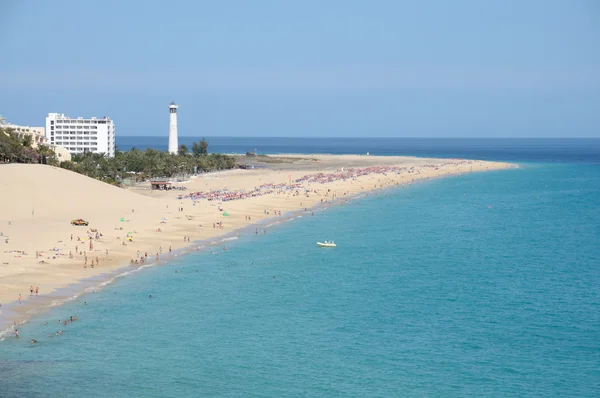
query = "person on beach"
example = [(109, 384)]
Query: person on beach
[(37, 289), (31, 290), (169, 249), (20, 297)]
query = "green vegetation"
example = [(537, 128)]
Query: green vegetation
[(15, 150), (200, 148), (150, 163), (131, 164)]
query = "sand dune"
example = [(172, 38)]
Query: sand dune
[(54, 192)]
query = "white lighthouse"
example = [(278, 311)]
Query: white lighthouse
[(173, 145)]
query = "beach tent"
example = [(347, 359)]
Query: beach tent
[(122, 219), (225, 213)]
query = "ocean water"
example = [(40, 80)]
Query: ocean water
[(485, 284), (547, 150)]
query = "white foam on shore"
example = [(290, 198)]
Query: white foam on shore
[(10, 331)]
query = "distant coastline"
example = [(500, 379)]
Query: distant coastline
[(144, 208), (586, 150)]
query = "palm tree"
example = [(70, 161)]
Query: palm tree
[(183, 150), (27, 141)]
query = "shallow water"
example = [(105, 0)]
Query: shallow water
[(483, 284)]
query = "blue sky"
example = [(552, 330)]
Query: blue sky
[(307, 68)]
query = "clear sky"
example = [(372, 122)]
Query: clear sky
[(446, 68)]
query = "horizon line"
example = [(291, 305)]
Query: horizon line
[(376, 137)]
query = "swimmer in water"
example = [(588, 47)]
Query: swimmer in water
[(150, 296), (33, 341)]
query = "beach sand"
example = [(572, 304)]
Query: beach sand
[(38, 202)]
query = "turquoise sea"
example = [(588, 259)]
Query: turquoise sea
[(479, 285)]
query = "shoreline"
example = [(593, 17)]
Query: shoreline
[(14, 313), (96, 283)]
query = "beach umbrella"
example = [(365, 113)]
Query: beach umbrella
[(122, 219), (225, 213)]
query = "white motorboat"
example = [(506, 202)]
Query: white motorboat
[(327, 243)]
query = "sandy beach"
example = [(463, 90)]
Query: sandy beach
[(42, 251)]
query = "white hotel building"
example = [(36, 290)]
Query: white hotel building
[(80, 135)]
